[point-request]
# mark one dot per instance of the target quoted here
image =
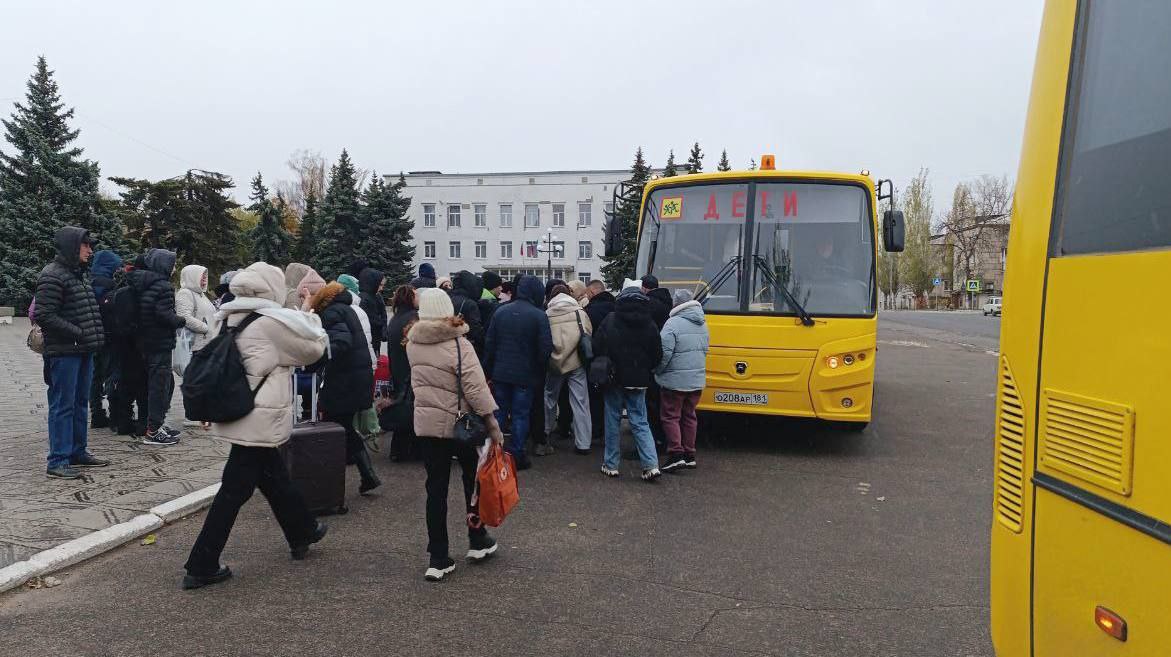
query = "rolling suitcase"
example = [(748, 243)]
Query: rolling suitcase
[(316, 457)]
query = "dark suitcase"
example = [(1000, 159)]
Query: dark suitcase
[(316, 457)]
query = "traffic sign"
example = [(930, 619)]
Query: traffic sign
[(973, 285), (937, 281)]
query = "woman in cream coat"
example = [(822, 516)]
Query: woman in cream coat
[(274, 342)]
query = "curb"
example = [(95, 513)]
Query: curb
[(104, 540)]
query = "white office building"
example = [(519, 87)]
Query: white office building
[(502, 222)]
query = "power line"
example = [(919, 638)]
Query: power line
[(136, 140)]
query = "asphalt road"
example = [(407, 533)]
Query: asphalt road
[(965, 328), (790, 539)]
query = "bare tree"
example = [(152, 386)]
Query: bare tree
[(310, 174), (975, 206)]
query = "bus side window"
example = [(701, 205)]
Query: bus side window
[(1113, 186)]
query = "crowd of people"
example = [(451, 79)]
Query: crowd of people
[(534, 360)]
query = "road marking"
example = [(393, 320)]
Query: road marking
[(992, 353), (903, 343)]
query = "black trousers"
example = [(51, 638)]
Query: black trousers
[(354, 442), (103, 362), (247, 469), (160, 386), (437, 453), (129, 385)]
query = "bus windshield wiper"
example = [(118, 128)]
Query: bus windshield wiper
[(719, 279), (762, 264)]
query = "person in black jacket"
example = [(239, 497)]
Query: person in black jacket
[(102, 270), (598, 309), (370, 283), (490, 297), (629, 339), (348, 378), (405, 304), (157, 323), (426, 277), (661, 306), (516, 353), (69, 318), (466, 288)]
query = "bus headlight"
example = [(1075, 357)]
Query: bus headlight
[(847, 402), (848, 359)]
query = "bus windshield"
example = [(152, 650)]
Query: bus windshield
[(757, 247)]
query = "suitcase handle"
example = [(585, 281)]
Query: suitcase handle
[(312, 400)]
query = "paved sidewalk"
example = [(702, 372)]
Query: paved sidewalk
[(38, 513)]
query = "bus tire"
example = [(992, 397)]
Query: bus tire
[(851, 427)]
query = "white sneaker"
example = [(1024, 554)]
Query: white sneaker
[(609, 472), (651, 475), (439, 569)]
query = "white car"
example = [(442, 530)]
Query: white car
[(992, 306)]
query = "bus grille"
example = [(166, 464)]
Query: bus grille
[(1090, 439), (1010, 451)]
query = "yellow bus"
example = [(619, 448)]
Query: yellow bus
[(784, 264), (1081, 531)]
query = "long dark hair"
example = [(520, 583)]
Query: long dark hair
[(404, 298)]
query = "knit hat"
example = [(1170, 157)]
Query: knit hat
[(348, 282), (434, 304), (443, 280), (681, 296), (491, 280), (227, 276), (426, 270)]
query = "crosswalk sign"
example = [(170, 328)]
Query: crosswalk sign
[(973, 286)]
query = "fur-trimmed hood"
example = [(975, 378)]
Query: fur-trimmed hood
[(434, 331), (327, 295)]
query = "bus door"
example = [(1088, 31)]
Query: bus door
[(1102, 532)]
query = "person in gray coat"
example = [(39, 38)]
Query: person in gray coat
[(681, 375)]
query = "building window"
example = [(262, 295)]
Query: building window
[(585, 249), (558, 250), (453, 249), (428, 215), (585, 179), (558, 214), (453, 216), (584, 276), (585, 213), (506, 250), (532, 215), (530, 249), (481, 212), (506, 215), (428, 249), (609, 208), (481, 250)]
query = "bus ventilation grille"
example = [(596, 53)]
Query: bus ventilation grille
[(1090, 439), (1010, 451)]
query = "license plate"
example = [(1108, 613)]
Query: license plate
[(747, 398)]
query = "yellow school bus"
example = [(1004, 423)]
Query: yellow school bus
[(784, 265), (1081, 532)]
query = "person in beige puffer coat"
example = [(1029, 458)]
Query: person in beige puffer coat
[(435, 347), (192, 304), (274, 341), (568, 321)]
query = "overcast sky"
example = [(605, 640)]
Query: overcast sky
[(888, 85)]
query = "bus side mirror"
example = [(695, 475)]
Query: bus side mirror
[(894, 231), (613, 236)]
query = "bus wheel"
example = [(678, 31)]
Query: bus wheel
[(851, 427)]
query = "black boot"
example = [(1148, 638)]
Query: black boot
[(98, 419), (370, 480)]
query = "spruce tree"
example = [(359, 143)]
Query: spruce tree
[(724, 165), (388, 239), (670, 170), (303, 250), (339, 233), (44, 185), (621, 265), (270, 240), (695, 159)]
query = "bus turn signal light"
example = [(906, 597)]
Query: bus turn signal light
[(832, 361), (1110, 623), (768, 162)]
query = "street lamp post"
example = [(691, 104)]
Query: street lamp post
[(551, 246)]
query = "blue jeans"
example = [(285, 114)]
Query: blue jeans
[(516, 401), (69, 386), (635, 403)]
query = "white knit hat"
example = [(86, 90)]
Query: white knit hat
[(434, 304)]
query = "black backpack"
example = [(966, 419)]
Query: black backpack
[(215, 385), (119, 309)]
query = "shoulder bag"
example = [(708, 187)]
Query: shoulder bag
[(469, 428), (585, 343)]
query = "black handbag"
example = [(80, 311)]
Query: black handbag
[(601, 372), (470, 429), (585, 343)]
